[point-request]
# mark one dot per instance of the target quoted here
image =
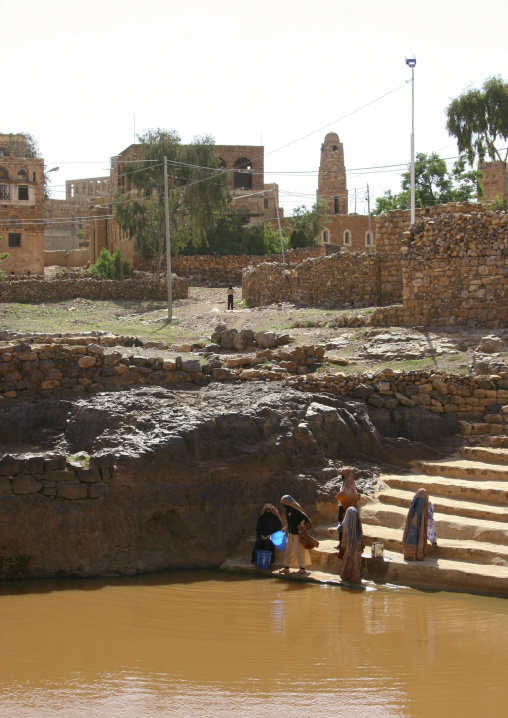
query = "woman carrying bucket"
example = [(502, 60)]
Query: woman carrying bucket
[(297, 519), (269, 522)]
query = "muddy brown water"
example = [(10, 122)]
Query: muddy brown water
[(211, 644)]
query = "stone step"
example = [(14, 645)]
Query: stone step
[(488, 454), (475, 551), (492, 492), (495, 441), (472, 429), (449, 506), (447, 525), (462, 469)]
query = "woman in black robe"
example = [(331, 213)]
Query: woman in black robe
[(269, 522)]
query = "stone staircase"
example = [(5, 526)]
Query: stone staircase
[(470, 497)]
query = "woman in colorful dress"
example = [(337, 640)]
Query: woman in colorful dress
[(296, 554), (347, 496), (352, 547), (269, 522), (414, 538)]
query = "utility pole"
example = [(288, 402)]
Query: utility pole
[(278, 220), (168, 242), (370, 225), (411, 62)]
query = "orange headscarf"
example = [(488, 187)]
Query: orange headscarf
[(348, 495)]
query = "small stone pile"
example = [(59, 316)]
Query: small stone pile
[(224, 338), (55, 476)]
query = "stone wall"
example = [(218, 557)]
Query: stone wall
[(56, 477), (69, 215), (339, 280), (222, 270), (140, 286), (66, 258), (455, 269), (28, 371)]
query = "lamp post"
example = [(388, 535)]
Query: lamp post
[(411, 62)]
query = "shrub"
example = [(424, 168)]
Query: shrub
[(2, 257), (111, 266)]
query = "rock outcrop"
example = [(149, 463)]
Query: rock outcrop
[(191, 470)]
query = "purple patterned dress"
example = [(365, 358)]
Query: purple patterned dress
[(431, 525)]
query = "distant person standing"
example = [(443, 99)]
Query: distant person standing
[(231, 295)]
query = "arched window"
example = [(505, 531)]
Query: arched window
[(222, 162), (4, 175), (243, 173), (22, 174), (368, 239), (335, 148), (243, 209), (347, 237), (326, 236)]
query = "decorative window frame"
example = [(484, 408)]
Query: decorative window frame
[(347, 238)]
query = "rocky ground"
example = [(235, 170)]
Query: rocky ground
[(454, 350)]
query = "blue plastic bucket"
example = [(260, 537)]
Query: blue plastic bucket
[(279, 540), (263, 559)]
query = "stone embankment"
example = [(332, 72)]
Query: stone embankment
[(223, 270), (140, 286), (82, 366), (56, 477)]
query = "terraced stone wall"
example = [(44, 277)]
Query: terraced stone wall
[(141, 286)]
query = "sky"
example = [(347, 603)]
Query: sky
[(84, 77)]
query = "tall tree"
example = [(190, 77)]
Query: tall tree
[(478, 119), (306, 224), (434, 184), (196, 193)]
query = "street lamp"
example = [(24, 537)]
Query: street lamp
[(411, 62)]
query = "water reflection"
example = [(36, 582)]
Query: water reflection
[(191, 643)]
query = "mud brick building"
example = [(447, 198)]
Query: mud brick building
[(348, 231), (87, 188), (21, 207)]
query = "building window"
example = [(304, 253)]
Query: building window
[(22, 192), (243, 173), (14, 239), (34, 177), (336, 207), (325, 236), (347, 237), (22, 174), (5, 191), (3, 174), (368, 239), (266, 203)]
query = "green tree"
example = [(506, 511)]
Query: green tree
[(111, 266), (3, 256), (478, 119), (306, 224), (196, 193), (434, 184)]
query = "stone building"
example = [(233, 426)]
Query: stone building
[(251, 197), (21, 207), (87, 188), (493, 181), (63, 218), (350, 231)]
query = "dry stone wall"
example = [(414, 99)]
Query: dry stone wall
[(55, 476), (220, 271), (339, 280), (140, 286), (455, 270), (47, 370)]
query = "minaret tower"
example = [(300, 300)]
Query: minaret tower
[(332, 185)]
